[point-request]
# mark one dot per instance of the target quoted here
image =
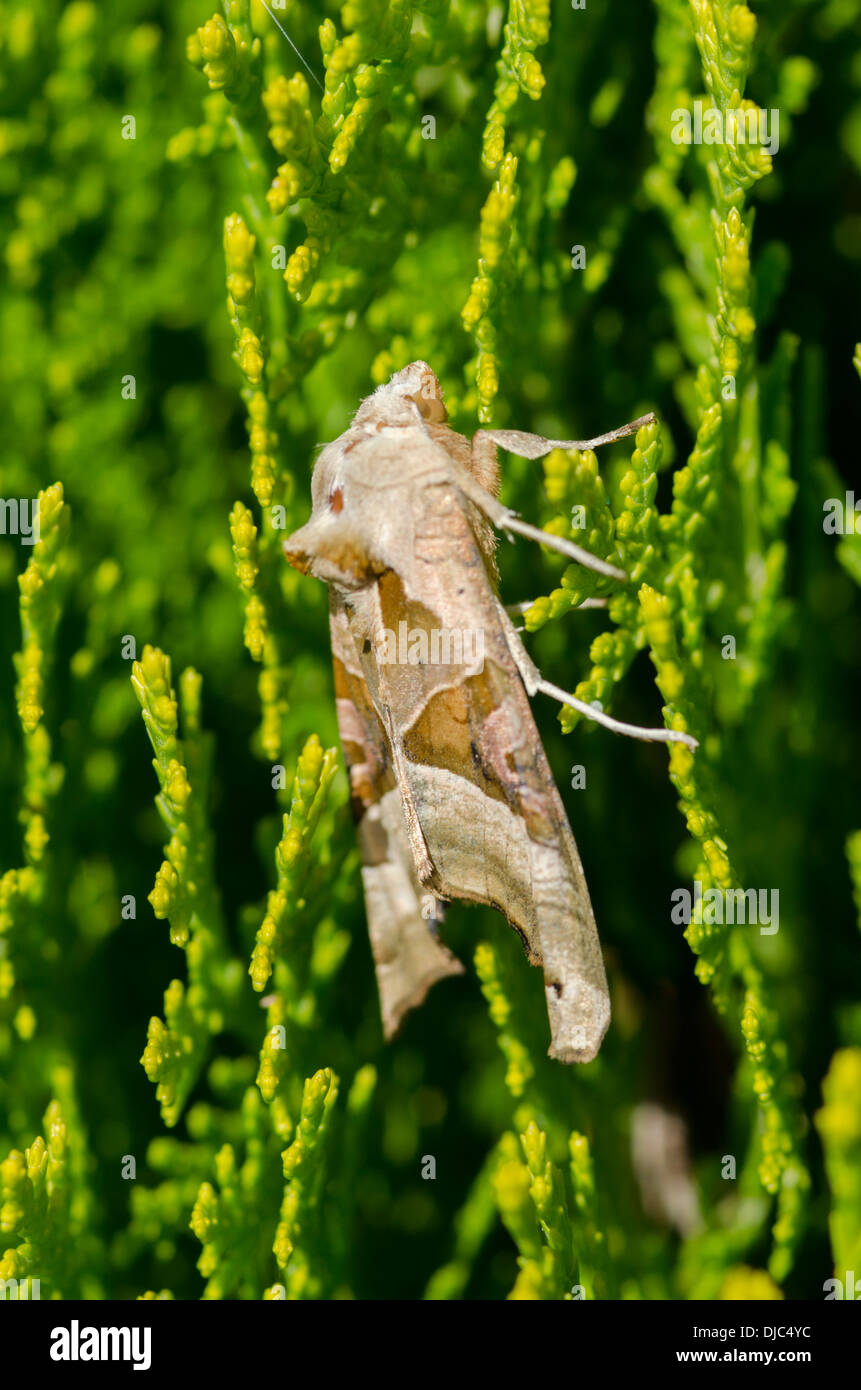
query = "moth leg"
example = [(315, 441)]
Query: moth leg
[(534, 682), (617, 725), (535, 446), (504, 519), (516, 610), (484, 474)]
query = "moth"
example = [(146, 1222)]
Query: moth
[(450, 786)]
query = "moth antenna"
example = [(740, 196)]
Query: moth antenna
[(512, 522), (617, 725)]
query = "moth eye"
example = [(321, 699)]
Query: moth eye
[(336, 501)]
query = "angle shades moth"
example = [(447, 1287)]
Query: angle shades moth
[(450, 786)]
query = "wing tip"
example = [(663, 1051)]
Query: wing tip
[(568, 1053), (579, 1030)]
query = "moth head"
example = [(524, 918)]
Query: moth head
[(413, 386)]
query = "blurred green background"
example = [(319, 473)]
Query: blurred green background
[(114, 266)]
